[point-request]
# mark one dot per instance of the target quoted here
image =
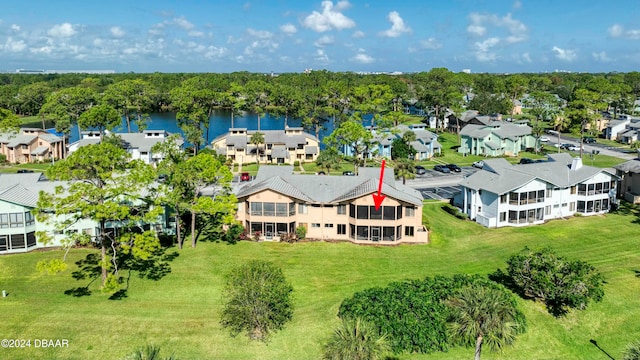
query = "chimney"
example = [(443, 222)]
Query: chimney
[(576, 163)]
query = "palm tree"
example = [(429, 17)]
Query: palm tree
[(480, 315), (561, 122), (256, 139), (405, 169), (356, 340), (632, 352), (328, 159)]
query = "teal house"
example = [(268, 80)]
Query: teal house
[(498, 138)]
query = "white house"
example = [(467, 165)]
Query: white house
[(615, 127), (139, 145), (426, 143), (502, 194)]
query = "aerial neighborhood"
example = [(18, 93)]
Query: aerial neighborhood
[(326, 171)]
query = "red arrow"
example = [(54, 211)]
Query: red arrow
[(377, 198)]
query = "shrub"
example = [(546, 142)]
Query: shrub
[(632, 352), (561, 284), (455, 212), (413, 313), (3, 158), (301, 232), (296, 163), (258, 300), (356, 339)]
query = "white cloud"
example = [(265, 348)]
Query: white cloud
[(565, 54), (430, 44), (516, 30), (262, 40), (322, 57), (183, 23), (601, 56), (484, 49), (195, 33), (398, 26), (260, 34), (324, 41), (358, 34), (117, 32), (618, 31), (15, 27), (62, 30), (289, 29), (362, 58), (14, 46), (526, 57), (331, 18)]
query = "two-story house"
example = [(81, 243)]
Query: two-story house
[(426, 143), (30, 145), (497, 138), (331, 207), (139, 145), (502, 194), (280, 146)]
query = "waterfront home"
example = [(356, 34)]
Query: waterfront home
[(331, 207), (426, 143), (138, 145), (279, 147), (497, 138), (502, 194), (30, 145)]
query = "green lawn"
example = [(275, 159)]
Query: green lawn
[(181, 311)]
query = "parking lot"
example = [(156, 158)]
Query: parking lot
[(440, 192)]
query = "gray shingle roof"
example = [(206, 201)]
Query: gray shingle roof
[(328, 189), (632, 166), (500, 177)]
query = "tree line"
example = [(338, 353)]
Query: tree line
[(562, 100)]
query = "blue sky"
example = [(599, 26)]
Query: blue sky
[(291, 36)]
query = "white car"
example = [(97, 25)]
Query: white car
[(478, 164), (544, 139)]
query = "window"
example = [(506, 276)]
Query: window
[(329, 225), (388, 233), (31, 239), (388, 213), (17, 241), (410, 211), (503, 216), (352, 211), (398, 232), (29, 220), (547, 209), (315, 225), (362, 233), (503, 198), (4, 221), (375, 214), (582, 189), (399, 212), (15, 219), (352, 231), (302, 208), (363, 212), (549, 192), (292, 209), (573, 190), (282, 209), (256, 208), (572, 206), (268, 209), (342, 229), (3, 242), (408, 231), (342, 209)]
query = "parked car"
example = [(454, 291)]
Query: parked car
[(526, 161), (454, 167), (245, 176), (420, 170), (544, 139), (478, 164), (589, 140), (570, 147), (24, 171), (442, 168), (348, 173), (321, 173)]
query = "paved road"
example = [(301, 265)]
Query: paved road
[(588, 148)]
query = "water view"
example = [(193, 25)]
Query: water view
[(219, 123)]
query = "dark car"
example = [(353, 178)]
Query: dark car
[(442, 168), (589, 140), (245, 176), (454, 167), (348, 173), (526, 161), (321, 173), (24, 171), (420, 170)]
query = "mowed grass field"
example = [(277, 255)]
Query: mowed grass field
[(181, 312)]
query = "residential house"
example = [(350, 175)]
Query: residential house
[(629, 173), (496, 138), (426, 143), (280, 146), (616, 127), (502, 194), (138, 145), (331, 207), (19, 228), (630, 133), (30, 145), (469, 117)]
